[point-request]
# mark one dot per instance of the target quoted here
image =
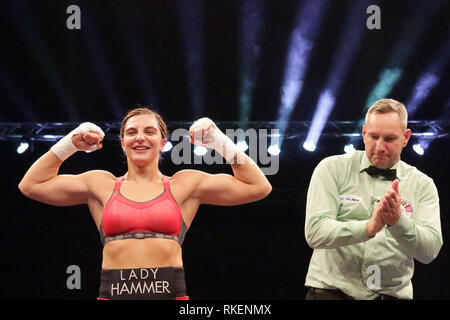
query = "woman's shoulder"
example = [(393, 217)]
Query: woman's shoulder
[(188, 176), (99, 176)]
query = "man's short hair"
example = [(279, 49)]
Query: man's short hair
[(389, 105)]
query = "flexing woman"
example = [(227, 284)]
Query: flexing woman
[(143, 215)]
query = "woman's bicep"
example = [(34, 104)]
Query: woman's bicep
[(226, 190), (62, 190)]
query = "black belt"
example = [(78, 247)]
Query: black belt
[(165, 283)]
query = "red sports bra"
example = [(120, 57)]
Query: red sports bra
[(158, 218)]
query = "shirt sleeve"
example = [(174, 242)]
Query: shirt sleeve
[(421, 236), (322, 229)]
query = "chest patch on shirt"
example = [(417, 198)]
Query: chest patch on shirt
[(349, 198), (407, 208)]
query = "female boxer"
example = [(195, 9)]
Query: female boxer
[(143, 215)]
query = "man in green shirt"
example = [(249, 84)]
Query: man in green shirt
[(367, 225)]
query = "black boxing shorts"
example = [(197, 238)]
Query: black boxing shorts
[(165, 283)]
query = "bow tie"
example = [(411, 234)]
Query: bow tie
[(389, 174)]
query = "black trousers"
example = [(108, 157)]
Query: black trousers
[(327, 294)]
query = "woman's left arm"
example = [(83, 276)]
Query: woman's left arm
[(247, 184)]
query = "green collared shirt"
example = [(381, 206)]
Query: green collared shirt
[(341, 199)]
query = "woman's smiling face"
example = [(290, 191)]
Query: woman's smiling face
[(142, 140)]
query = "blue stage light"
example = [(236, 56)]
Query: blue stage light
[(350, 39), (326, 103), (430, 78), (23, 146), (251, 26), (309, 146), (301, 44)]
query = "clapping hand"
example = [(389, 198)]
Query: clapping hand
[(390, 205)]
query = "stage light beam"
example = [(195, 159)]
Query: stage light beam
[(349, 41), (419, 13), (191, 25), (251, 27), (301, 43), (430, 78), (324, 106)]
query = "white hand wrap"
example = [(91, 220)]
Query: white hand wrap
[(217, 139), (64, 148)]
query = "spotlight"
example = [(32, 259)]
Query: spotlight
[(349, 148), (274, 150), (418, 149), (309, 145), (324, 107), (168, 146), (200, 150), (242, 146), (23, 146)]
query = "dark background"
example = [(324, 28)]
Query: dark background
[(130, 52)]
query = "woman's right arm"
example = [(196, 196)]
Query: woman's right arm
[(42, 182)]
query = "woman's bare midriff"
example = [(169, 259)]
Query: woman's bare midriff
[(141, 253)]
